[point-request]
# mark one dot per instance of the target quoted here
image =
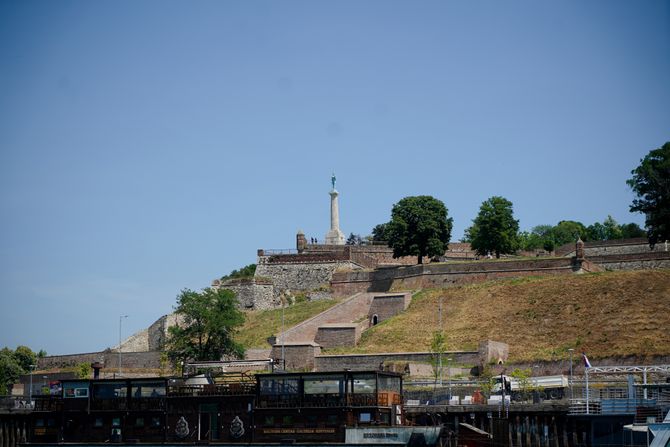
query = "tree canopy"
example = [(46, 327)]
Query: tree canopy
[(420, 227), (494, 230), (651, 184), (13, 364), (208, 322)]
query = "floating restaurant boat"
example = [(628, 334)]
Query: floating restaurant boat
[(344, 407)]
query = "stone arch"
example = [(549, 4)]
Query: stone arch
[(375, 319)]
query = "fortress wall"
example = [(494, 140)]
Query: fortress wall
[(109, 359), (357, 362), (634, 261), (445, 274), (303, 276), (613, 247), (254, 295)]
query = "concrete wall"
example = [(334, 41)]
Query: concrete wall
[(445, 274)]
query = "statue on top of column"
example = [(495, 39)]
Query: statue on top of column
[(332, 180)]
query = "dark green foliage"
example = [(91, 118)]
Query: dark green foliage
[(354, 239), (245, 272), (632, 230), (567, 231), (13, 364), (651, 184), (208, 322), (495, 230), (379, 233), (420, 227)]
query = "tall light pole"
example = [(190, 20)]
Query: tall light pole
[(439, 328), (120, 321), (449, 372), (283, 353), (571, 350), (30, 396)]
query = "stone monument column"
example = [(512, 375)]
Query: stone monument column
[(335, 235)]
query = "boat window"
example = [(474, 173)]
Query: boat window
[(116, 422), (109, 390), (155, 422), (324, 385), (332, 420), (364, 383), (98, 422), (73, 390), (364, 417), (269, 421), (152, 389), (273, 386), (39, 423), (139, 422), (287, 420), (389, 384)]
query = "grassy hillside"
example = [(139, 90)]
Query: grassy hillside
[(606, 314), (262, 324)]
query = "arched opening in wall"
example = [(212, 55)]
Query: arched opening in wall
[(375, 320)]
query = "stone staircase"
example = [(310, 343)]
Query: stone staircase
[(350, 310)]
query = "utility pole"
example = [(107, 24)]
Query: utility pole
[(30, 395), (571, 393), (120, 321), (440, 348)]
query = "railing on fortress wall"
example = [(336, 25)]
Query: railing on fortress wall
[(279, 251)]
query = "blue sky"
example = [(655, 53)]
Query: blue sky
[(151, 146)]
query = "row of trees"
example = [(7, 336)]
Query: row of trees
[(420, 226)]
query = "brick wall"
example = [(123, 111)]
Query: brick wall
[(302, 276), (634, 261), (298, 356), (338, 335), (613, 247), (387, 306)]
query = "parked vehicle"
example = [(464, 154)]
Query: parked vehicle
[(545, 387)]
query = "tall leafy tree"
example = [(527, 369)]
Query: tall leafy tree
[(651, 184), (379, 233), (420, 227), (632, 230), (209, 320), (567, 232), (495, 230)]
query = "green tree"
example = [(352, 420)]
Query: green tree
[(84, 370), (10, 370), (25, 357), (612, 229), (208, 323), (495, 229), (379, 233), (420, 227), (247, 271), (596, 232), (632, 230), (651, 184), (567, 232), (354, 239)]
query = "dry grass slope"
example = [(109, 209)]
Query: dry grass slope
[(606, 314)]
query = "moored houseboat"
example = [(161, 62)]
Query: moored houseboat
[(352, 407)]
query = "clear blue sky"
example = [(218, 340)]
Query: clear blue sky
[(151, 146)]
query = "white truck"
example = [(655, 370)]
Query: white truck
[(547, 387)]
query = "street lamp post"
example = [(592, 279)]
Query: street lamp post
[(30, 395), (439, 367), (571, 350), (449, 374), (120, 321)]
